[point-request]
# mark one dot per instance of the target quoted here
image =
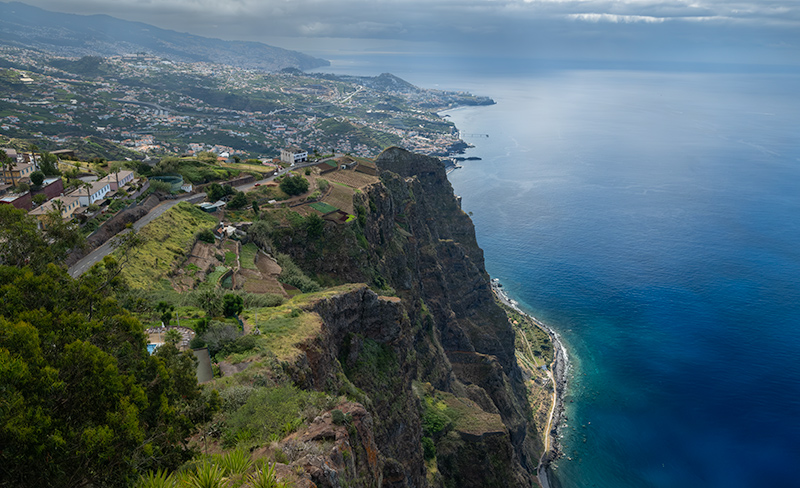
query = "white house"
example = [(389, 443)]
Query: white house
[(96, 192), (123, 177), (293, 154)]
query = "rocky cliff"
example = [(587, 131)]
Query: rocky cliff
[(434, 363)]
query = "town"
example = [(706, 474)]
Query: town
[(146, 106)]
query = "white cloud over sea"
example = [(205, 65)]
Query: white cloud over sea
[(730, 31)]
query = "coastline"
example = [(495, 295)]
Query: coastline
[(558, 374)]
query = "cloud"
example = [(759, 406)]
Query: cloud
[(576, 28)]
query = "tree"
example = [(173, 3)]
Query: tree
[(206, 235), (22, 243), (314, 226), (238, 201), (232, 304), (49, 164), (39, 198), (255, 207), (83, 403), (173, 337), (8, 165), (294, 185), (37, 178), (165, 309)]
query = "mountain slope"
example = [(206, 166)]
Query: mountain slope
[(102, 35)]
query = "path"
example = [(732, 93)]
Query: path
[(98, 254)]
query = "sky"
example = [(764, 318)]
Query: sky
[(753, 32)]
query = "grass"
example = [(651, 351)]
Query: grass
[(285, 326), (248, 256), (167, 240), (214, 276), (230, 259)]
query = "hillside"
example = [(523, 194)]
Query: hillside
[(359, 352), (101, 35)]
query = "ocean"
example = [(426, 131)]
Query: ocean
[(653, 219)]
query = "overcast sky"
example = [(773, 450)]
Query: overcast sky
[(721, 31)]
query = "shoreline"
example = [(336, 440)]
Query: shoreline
[(558, 372)]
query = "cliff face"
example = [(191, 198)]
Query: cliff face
[(436, 368)]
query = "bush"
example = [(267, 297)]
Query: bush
[(322, 184), (294, 185), (292, 275), (428, 448), (232, 304), (206, 235), (219, 335), (37, 177), (160, 186), (238, 201), (272, 411), (39, 199)]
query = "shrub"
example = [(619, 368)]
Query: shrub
[(271, 411), (160, 186), (428, 448), (294, 185), (238, 201), (37, 177), (292, 275), (338, 417), (232, 304), (218, 336), (206, 235)]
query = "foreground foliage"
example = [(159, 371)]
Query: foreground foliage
[(82, 403)]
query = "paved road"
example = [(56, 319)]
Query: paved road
[(98, 254)]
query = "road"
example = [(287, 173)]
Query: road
[(98, 254)]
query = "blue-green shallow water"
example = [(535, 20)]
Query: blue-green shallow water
[(653, 219)]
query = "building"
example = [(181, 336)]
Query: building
[(68, 207), (118, 180), (51, 187), (13, 176), (91, 195), (11, 153), (293, 154), (18, 200)]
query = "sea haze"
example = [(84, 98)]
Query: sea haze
[(652, 218)]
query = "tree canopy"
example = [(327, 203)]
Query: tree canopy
[(82, 403), (294, 185)]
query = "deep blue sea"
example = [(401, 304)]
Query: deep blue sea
[(653, 219)]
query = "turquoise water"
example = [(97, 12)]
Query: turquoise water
[(654, 220)]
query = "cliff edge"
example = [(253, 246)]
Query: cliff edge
[(434, 363)]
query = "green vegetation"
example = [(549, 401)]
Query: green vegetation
[(270, 412), (166, 241), (79, 385), (294, 185), (292, 275), (231, 469), (323, 207), (247, 257)]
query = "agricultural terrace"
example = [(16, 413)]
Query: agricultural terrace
[(168, 239)]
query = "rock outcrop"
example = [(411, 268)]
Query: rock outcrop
[(446, 332)]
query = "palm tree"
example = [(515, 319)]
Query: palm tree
[(88, 187), (8, 165), (58, 204)]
